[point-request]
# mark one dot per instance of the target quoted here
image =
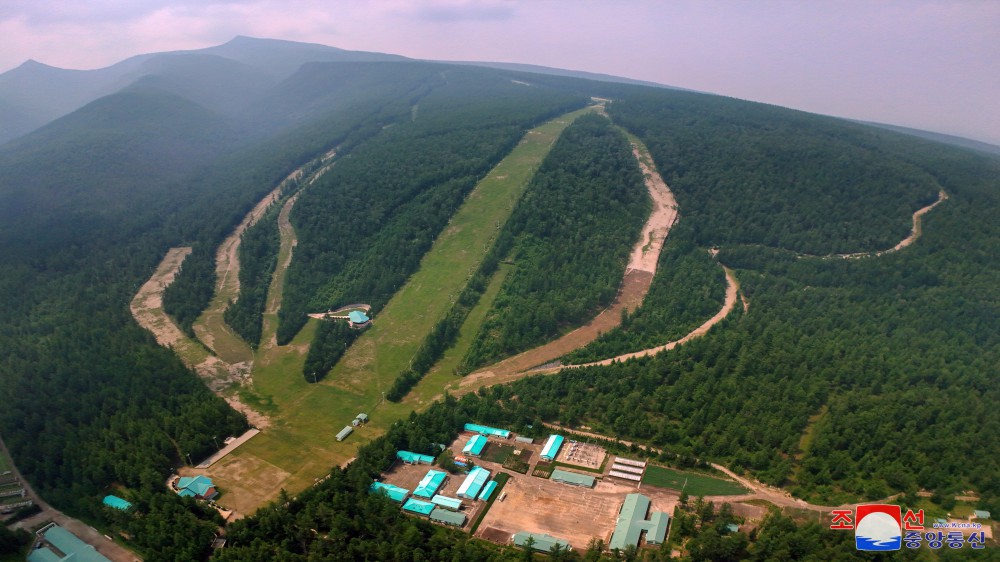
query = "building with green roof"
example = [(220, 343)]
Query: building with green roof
[(446, 502), (540, 541), (414, 458), (486, 430), (448, 517), (573, 478), (419, 507), (632, 522), (475, 445), (430, 483), (551, 448), (61, 545), (981, 514), (394, 493), (117, 503)]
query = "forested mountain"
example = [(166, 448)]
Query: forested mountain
[(844, 379)]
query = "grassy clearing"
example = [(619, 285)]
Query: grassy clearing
[(442, 375), (387, 348), (694, 483), (300, 446), (497, 453), (4, 463)]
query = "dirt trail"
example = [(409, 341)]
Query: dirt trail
[(112, 550), (147, 309), (211, 327), (147, 305), (915, 231), (635, 285)]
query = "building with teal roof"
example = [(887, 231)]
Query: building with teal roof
[(413, 458), (475, 445), (473, 483), (539, 541), (446, 502), (487, 430), (358, 319), (488, 489), (61, 545), (200, 487), (117, 503), (419, 507), (981, 514), (430, 483), (551, 448), (394, 493), (657, 532)]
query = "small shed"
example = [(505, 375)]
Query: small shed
[(522, 439), (117, 503), (344, 433)]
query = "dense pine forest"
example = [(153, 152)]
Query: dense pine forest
[(572, 233), (688, 288), (258, 257)]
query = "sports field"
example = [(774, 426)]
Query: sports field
[(694, 483)]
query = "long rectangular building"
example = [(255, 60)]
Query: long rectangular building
[(473, 483), (572, 478), (625, 475), (630, 462), (453, 504), (551, 448), (448, 517), (419, 507), (626, 468), (539, 541), (429, 484), (414, 458), (488, 489), (394, 493), (486, 430)]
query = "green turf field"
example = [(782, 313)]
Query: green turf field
[(694, 483)]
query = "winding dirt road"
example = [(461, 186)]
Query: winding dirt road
[(915, 232)]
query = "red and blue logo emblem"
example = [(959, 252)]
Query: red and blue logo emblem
[(879, 527)]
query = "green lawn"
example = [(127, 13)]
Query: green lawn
[(694, 483), (299, 446)]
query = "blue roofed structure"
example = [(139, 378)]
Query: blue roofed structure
[(551, 448), (419, 507), (414, 458), (394, 493), (475, 445), (486, 430), (357, 319), (473, 483), (117, 503), (69, 545), (430, 483), (200, 487), (488, 491)]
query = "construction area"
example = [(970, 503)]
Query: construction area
[(559, 491)]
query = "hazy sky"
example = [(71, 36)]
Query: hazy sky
[(930, 64)]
